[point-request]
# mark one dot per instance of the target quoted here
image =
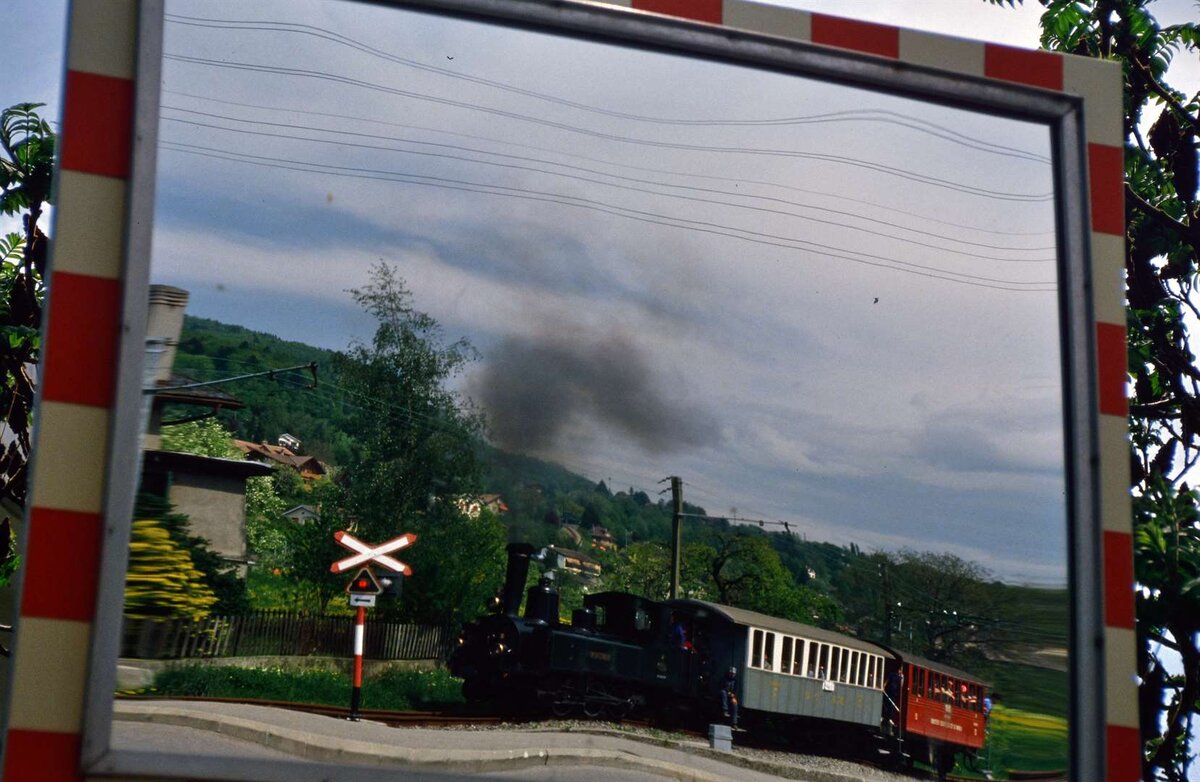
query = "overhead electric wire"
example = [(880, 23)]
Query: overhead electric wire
[(629, 167), (912, 176), (860, 115), (701, 226), (341, 142)]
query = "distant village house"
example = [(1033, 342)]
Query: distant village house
[(473, 507)]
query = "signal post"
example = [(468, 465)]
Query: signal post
[(364, 588)]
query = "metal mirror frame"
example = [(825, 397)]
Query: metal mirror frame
[(62, 674)]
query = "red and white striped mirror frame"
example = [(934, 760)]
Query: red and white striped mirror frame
[(87, 321)]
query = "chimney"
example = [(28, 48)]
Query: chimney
[(514, 579), (165, 321)]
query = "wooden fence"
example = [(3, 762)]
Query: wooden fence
[(278, 633)]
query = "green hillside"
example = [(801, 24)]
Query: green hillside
[(289, 403)]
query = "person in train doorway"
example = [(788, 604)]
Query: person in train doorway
[(729, 701)]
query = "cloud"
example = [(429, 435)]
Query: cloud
[(538, 390)]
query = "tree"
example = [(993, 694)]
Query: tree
[(207, 437), (645, 569), (1162, 209), (25, 188), (416, 454), (162, 581), (747, 573)]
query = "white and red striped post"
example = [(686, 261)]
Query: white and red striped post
[(356, 693)]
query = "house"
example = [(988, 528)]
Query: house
[(302, 514), (602, 539), (473, 507), (310, 467), (571, 561), (210, 491)]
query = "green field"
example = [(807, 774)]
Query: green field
[(1024, 740), (1027, 687)]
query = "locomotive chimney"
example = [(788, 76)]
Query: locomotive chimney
[(514, 579)]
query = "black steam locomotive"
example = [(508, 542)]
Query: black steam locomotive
[(623, 653)]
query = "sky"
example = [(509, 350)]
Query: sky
[(823, 306)]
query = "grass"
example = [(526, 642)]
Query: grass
[(393, 689), (1027, 687), (1026, 741)]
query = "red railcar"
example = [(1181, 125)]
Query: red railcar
[(942, 711)]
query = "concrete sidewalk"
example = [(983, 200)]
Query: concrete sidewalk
[(322, 739)]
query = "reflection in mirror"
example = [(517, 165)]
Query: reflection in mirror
[(489, 285)]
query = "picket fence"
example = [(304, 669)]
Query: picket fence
[(270, 633)]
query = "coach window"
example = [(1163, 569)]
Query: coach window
[(769, 653), (834, 668), (854, 667), (798, 660), (864, 661), (756, 649), (845, 669), (823, 666), (785, 658)]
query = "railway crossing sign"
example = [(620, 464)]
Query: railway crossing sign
[(365, 552), (364, 583)]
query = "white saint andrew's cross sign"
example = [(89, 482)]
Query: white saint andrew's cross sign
[(365, 553)]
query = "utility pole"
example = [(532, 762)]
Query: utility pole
[(676, 532), (887, 602)]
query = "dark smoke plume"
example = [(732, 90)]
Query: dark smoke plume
[(532, 390)]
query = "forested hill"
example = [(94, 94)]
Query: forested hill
[(209, 350), (542, 497)]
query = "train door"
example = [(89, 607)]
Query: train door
[(691, 650)]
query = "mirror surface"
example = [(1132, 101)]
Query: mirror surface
[(831, 311)]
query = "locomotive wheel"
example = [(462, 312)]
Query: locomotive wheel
[(564, 701), (595, 701), (618, 711)]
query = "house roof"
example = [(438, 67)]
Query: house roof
[(205, 396), (204, 465), (566, 552), (278, 453)]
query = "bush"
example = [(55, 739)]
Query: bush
[(392, 689)]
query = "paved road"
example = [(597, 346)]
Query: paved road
[(149, 737)]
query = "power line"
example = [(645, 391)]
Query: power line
[(913, 176), (341, 142), (861, 115), (645, 169), (701, 226)]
